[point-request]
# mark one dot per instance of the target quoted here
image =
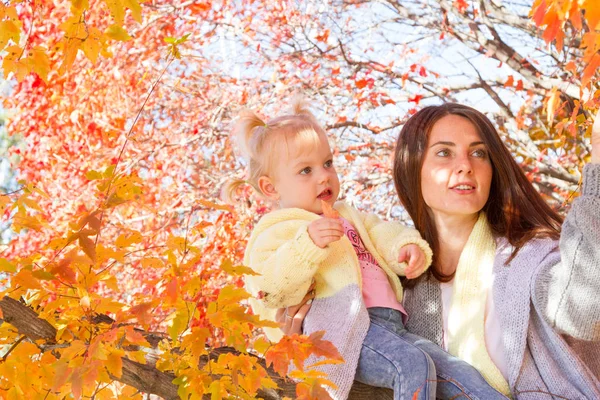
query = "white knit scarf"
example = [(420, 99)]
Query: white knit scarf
[(472, 283)]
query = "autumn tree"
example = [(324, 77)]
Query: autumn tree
[(121, 250)]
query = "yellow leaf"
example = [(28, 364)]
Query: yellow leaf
[(93, 175), (114, 363), (552, 105), (136, 9), (91, 48), (33, 188), (29, 203), (23, 221), (152, 262), (116, 32), (38, 62), (178, 324), (116, 10), (12, 63), (69, 47), (7, 266), (231, 294), (79, 6), (228, 267), (125, 240), (9, 31), (261, 345), (176, 243)]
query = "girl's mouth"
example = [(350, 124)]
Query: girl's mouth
[(325, 194)]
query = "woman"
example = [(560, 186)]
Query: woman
[(507, 291)]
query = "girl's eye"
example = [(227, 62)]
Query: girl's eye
[(480, 153), (305, 171), (329, 164), (443, 153)]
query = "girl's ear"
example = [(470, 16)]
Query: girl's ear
[(265, 184)]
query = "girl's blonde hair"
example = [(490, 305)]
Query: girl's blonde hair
[(260, 142)]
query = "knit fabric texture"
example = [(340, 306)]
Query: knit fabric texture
[(281, 250), (547, 293)]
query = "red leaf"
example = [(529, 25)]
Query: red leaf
[(461, 5), (416, 98), (520, 84)]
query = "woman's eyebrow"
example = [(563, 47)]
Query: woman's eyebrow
[(453, 144)]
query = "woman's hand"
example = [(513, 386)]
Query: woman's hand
[(596, 139), (291, 318)]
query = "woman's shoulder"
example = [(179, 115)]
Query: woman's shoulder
[(535, 250)]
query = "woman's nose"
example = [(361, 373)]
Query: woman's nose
[(463, 165)]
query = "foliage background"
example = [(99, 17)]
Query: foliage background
[(119, 116)]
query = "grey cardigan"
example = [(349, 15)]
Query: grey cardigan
[(548, 300)]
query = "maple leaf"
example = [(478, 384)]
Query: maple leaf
[(329, 211)]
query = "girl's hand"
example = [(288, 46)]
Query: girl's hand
[(291, 318), (325, 230), (596, 139), (414, 258)]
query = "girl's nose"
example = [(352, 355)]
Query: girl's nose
[(324, 177)]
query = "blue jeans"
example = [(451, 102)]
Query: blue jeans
[(392, 357)]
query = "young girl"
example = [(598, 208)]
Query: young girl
[(354, 260)]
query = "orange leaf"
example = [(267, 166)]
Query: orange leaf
[(416, 394), (591, 69), (329, 211), (510, 81), (88, 247), (540, 11), (323, 348), (142, 313), (592, 13), (210, 204)]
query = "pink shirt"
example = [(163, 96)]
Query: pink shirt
[(376, 288)]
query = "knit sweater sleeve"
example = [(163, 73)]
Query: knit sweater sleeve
[(389, 237), (287, 259), (569, 288)]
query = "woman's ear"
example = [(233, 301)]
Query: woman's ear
[(265, 184)]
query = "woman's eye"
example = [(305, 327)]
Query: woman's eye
[(480, 153), (443, 153), (329, 164), (305, 171)]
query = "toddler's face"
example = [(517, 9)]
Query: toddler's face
[(306, 175)]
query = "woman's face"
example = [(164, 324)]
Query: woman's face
[(457, 172)]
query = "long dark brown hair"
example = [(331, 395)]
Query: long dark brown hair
[(515, 210)]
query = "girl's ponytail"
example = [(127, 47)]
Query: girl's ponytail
[(245, 130), (300, 106), (229, 190)]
